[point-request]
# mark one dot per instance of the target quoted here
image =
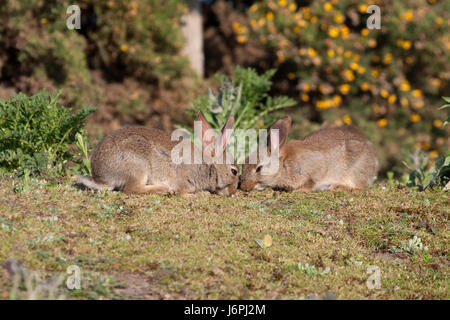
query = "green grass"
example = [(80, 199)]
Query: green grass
[(168, 247)]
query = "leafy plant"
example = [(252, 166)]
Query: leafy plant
[(246, 98), (36, 133), (447, 105), (83, 148), (414, 245), (425, 174), (311, 270)]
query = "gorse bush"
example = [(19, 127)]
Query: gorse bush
[(36, 133), (121, 40), (246, 98), (384, 80)]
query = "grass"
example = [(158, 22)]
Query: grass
[(167, 247)]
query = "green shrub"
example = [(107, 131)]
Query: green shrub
[(425, 173), (36, 133), (246, 98)]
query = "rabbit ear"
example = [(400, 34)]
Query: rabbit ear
[(282, 126), (226, 132), (207, 130)]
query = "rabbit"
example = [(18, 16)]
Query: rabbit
[(138, 160), (331, 158)]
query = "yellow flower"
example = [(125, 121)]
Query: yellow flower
[(406, 45), (414, 117), (330, 53), (242, 39), (392, 98), (236, 26), (384, 93), (417, 93), (325, 104), (425, 146), (344, 88), (375, 72), (261, 22), (348, 74), (434, 154), (337, 100), (291, 76), (372, 43), (338, 18), (253, 7), (437, 123), (365, 32), (347, 119), (312, 52), (356, 57), (306, 87), (361, 69), (282, 3), (405, 86), (327, 6), (345, 31), (253, 23), (293, 6), (387, 58), (333, 32), (363, 8), (439, 20), (44, 20), (353, 66), (408, 15), (313, 19), (296, 29), (409, 60), (306, 12), (123, 48), (404, 102), (305, 97), (347, 54), (365, 86), (269, 16), (382, 122)]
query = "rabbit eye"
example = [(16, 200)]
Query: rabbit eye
[(234, 171), (258, 169)]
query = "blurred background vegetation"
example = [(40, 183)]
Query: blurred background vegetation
[(129, 60)]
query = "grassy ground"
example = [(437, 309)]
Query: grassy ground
[(167, 247)]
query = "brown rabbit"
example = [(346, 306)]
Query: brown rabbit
[(138, 160), (328, 159)]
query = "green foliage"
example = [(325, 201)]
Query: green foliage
[(83, 147), (425, 175), (142, 38), (246, 98), (311, 270), (36, 133), (447, 105)]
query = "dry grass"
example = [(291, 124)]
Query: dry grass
[(204, 248)]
